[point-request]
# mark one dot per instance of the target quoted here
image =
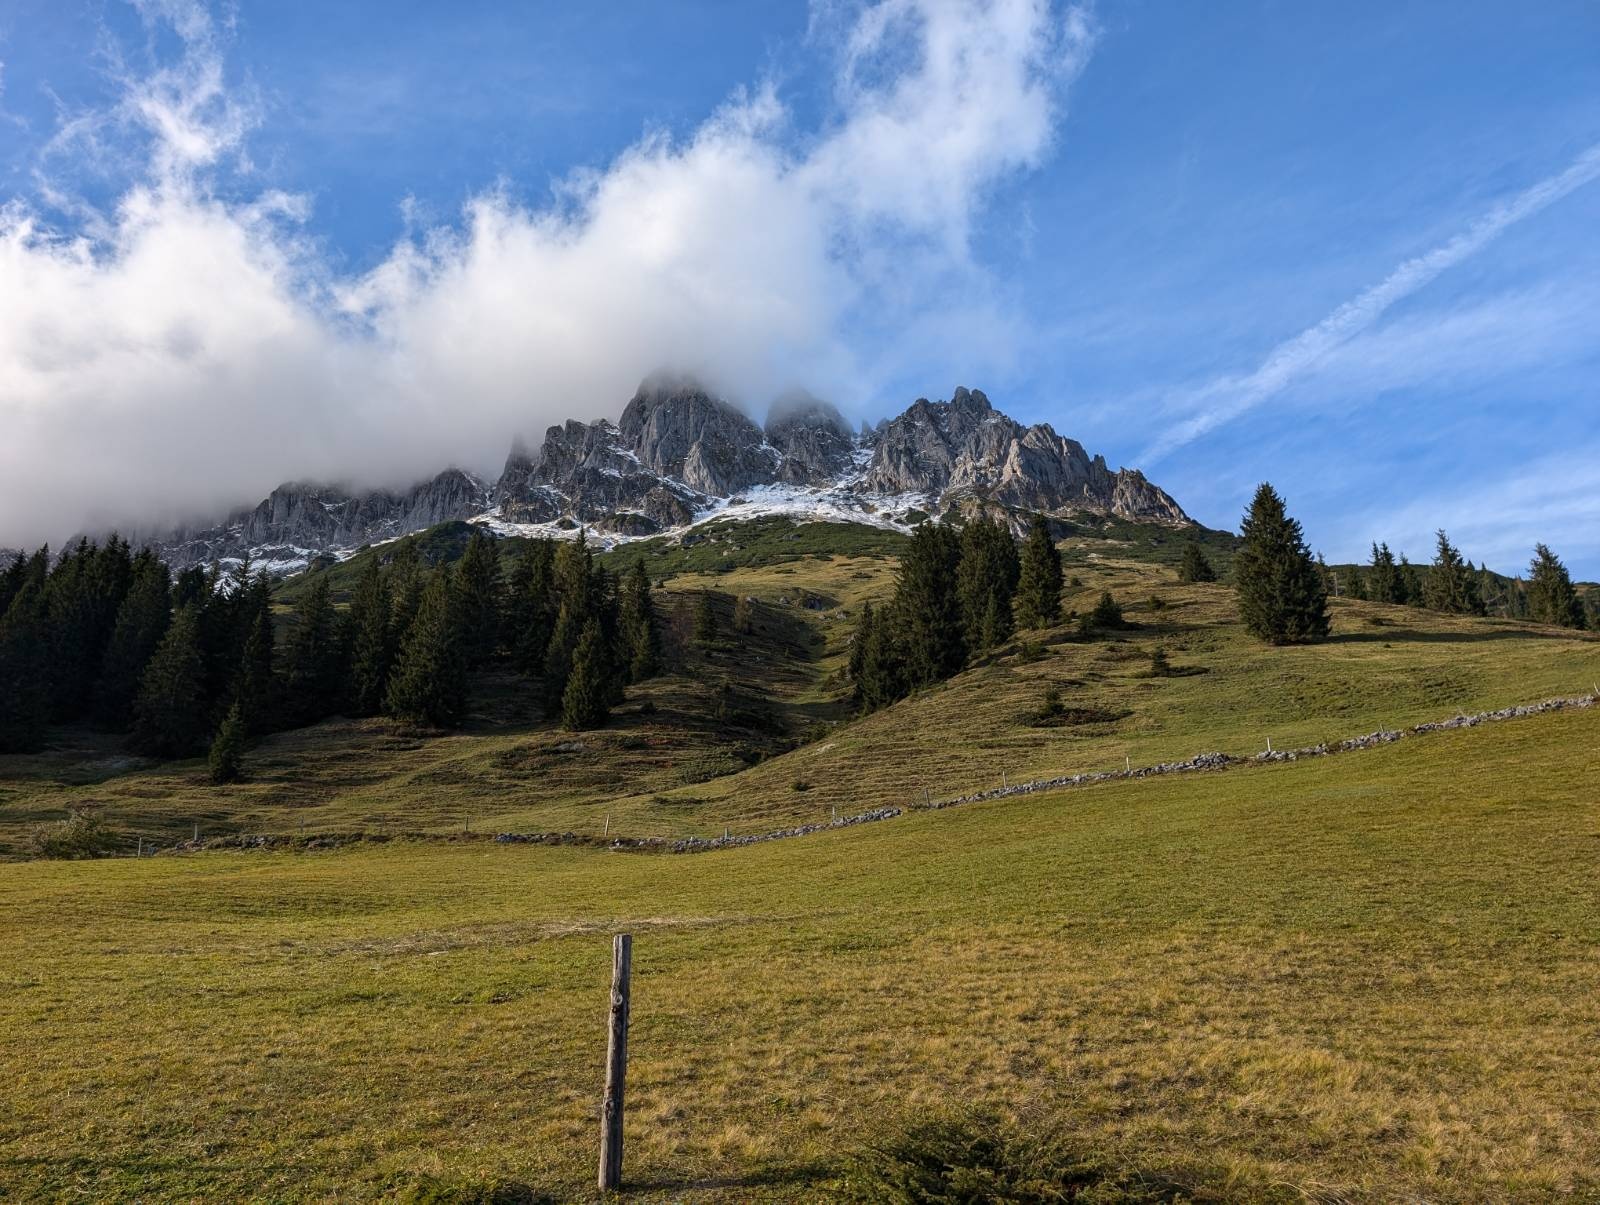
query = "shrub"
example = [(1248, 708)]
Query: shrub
[(801, 784), (1160, 667), (80, 835), (1157, 603), (976, 1157), (1107, 613)]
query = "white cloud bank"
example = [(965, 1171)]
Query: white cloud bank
[(186, 351)]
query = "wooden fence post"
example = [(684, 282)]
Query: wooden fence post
[(616, 1064)]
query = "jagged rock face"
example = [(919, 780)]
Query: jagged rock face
[(678, 430), (678, 452), (812, 439), (965, 447), (586, 472), (299, 519)]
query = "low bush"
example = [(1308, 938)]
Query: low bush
[(972, 1157), (81, 835)]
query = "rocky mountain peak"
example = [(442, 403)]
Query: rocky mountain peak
[(679, 453)]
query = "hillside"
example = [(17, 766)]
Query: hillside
[(752, 733), (1349, 979)]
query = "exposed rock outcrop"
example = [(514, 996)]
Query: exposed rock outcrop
[(679, 453)]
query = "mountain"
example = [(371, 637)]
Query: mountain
[(679, 455)]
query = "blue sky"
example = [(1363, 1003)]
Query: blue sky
[(1350, 249)]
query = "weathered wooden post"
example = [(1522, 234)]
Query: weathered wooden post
[(616, 1064)]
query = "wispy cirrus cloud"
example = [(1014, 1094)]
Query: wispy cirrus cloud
[(1220, 401)]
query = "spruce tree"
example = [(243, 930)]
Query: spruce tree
[(584, 703), (226, 758), (313, 665), (1355, 586), (477, 578), (881, 678), (574, 587), (1039, 578), (429, 682), (1195, 567), (858, 648), (24, 694), (142, 621), (1281, 598), (1384, 583), (1451, 585), (987, 573), (11, 581), (641, 630), (369, 638), (171, 712), (1551, 598), (927, 610), (255, 689), (1107, 614), (530, 614), (705, 620), (1411, 579)]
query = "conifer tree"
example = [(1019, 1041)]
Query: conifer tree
[(255, 689), (142, 620), (1384, 582), (987, 573), (530, 616), (1195, 566), (881, 678), (1281, 599), (1411, 581), (82, 597), (226, 758), (858, 648), (477, 578), (11, 581), (429, 682), (24, 694), (1039, 578), (574, 584), (641, 630), (1451, 585), (705, 620), (171, 712), (1355, 585), (1551, 598), (406, 583), (927, 608), (369, 637), (584, 703), (313, 668), (1107, 614)]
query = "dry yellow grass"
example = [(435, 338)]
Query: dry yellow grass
[(1367, 977)]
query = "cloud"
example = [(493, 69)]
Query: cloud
[(1227, 398), (190, 346)]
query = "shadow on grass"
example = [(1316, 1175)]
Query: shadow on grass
[(1385, 635), (769, 1177)]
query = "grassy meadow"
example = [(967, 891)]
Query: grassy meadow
[(751, 734), (1367, 977)]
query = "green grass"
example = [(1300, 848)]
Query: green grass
[(720, 743), (1366, 977)]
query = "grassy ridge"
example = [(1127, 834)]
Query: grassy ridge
[(1367, 977), (713, 746)]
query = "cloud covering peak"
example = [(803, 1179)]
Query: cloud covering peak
[(189, 345)]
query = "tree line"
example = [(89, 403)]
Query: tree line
[(958, 595), (109, 637)]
